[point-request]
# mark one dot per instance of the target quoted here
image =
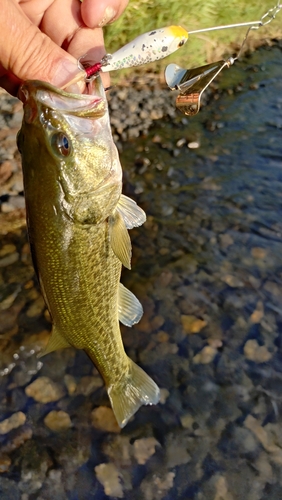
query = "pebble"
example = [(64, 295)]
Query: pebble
[(255, 352), (164, 394), (191, 324), (155, 487), (259, 253), (7, 249), (36, 308), (176, 450), (206, 355), (109, 476), (225, 240), (6, 170), (9, 490), (88, 384), (232, 281), (70, 383), (144, 449), (20, 436), (44, 390), (58, 421), (5, 462), (266, 438), (13, 422), (9, 259), (221, 489), (103, 418)]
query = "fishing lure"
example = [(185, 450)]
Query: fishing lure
[(193, 82), (146, 48)]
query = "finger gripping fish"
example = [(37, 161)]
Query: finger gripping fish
[(78, 223)]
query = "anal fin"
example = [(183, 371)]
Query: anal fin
[(56, 341), (130, 310)]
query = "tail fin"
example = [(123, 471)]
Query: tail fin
[(131, 392)]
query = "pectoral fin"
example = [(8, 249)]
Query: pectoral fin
[(56, 341), (133, 215), (119, 238), (129, 308)]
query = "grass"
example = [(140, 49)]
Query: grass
[(144, 15)]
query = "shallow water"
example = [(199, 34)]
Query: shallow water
[(207, 268)]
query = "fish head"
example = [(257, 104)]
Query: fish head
[(66, 144)]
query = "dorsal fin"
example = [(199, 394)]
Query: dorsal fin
[(133, 215), (129, 308), (119, 238)]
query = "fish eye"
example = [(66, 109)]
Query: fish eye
[(181, 43), (61, 143)]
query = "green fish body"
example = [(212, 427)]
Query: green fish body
[(78, 223)]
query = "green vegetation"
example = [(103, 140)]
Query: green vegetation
[(143, 15)]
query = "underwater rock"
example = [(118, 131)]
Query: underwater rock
[(8, 489), (144, 449), (109, 476), (103, 418), (192, 324), (255, 352), (156, 486), (5, 463), (206, 355), (58, 421), (44, 390), (16, 420)]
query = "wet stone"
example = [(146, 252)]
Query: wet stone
[(88, 384), (144, 449), (157, 486), (9, 489), (17, 439), (57, 421), (13, 422), (70, 383), (44, 390), (5, 463), (206, 355), (254, 352), (110, 477), (103, 418), (9, 259), (191, 324)]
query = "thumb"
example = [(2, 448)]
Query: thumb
[(28, 53)]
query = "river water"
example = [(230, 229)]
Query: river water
[(207, 267)]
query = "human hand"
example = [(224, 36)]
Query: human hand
[(42, 39)]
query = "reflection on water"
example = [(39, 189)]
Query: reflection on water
[(207, 268)]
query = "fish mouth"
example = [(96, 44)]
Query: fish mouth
[(91, 105)]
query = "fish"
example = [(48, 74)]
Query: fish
[(78, 221)]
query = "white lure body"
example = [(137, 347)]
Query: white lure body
[(146, 48)]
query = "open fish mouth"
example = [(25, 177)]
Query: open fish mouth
[(91, 105)]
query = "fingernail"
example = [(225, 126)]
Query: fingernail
[(109, 16), (66, 70)]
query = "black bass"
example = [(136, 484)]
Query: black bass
[(78, 223)]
